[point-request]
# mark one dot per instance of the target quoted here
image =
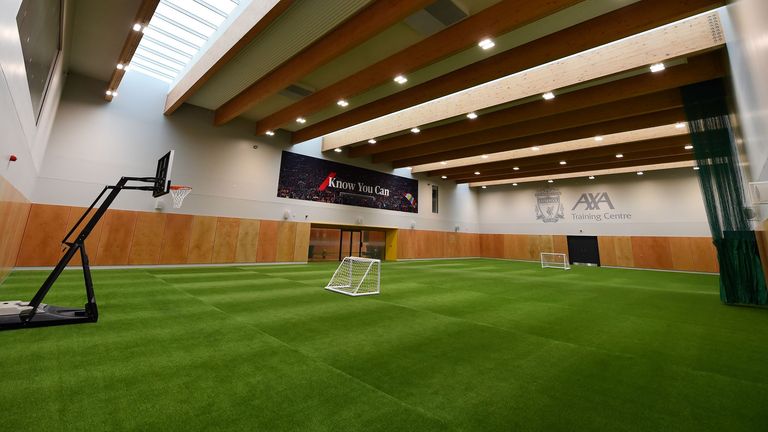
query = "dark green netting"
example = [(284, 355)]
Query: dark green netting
[(741, 275)]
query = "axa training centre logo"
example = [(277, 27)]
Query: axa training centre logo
[(592, 201), (548, 205)]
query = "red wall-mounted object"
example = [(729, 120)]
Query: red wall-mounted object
[(13, 158)]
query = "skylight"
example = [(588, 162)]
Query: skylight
[(176, 33)]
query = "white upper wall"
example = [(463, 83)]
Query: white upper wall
[(20, 133), (659, 203), (94, 143)]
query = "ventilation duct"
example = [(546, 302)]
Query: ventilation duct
[(436, 17)]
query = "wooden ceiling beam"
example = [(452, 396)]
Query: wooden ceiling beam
[(624, 22), (372, 20), (700, 68), (143, 15), (614, 126), (174, 100), (628, 161), (571, 157), (632, 107), (496, 20)]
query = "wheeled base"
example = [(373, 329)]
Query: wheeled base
[(13, 314)]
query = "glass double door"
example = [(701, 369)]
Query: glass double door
[(351, 243), (331, 244)]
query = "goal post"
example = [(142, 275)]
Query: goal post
[(555, 260), (356, 276)]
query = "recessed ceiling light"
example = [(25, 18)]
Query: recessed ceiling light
[(301, 120), (680, 125), (443, 177), (342, 103), (477, 172), (401, 79), (472, 115), (591, 177), (415, 130), (485, 187), (443, 163), (640, 173), (619, 155), (137, 27), (598, 138), (486, 44), (657, 67), (514, 184), (337, 150), (270, 133), (484, 156), (114, 93), (371, 141), (550, 181), (688, 147), (120, 66), (534, 148), (109, 92), (695, 168), (563, 162), (515, 168), (548, 96)]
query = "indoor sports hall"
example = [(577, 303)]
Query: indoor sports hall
[(383, 215)]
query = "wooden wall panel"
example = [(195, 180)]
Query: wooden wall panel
[(225, 241), (14, 211), (286, 241), (116, 237), (301, 248), (176, 236), (560, 244), (704, 254), (91, 243), (652, 252), (267, 249), (607, 249), (625, 256), (404, 244), (46, 226), (201, 240), (247, 240), (147, 238)]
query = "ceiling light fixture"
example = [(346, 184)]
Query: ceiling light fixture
[(548, 96), (640, 173), (401, 79), (485, 187), (109, 92), (270, 133), (515, 168), (415, 130), (680, 125), (563, 162), (534, 148), (301, 120), (657, 67), (550, 181), (486, 43), (443, 177), (598, 138), (619, 155), (443, 163), (371, 141), (120, 66), (137, 27), (472, 115), (342, 103), (484, 156), (337, 150), (477, 172), (591, 177), (688, 147), (409, 168), (514, 184), (695, 168)]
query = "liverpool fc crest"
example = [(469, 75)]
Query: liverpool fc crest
[(548, 206)]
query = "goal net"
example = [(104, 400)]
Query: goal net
[(356, 277), (554, 260)]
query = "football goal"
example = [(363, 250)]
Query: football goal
[(554, 260), (356, 277)]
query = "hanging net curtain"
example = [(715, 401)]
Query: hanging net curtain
[(741, 274)]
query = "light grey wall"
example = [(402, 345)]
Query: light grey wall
[(94, 143), (20, 133), (660, 203)]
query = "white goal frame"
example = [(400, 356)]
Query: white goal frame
[(356, 276), (552, 264)]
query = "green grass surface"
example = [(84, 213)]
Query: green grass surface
[(459, 345)]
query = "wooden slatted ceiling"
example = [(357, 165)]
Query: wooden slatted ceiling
[(498, 19), (699, 68), (605, 153), (630, 107), (180, 93), (143, 15), (622, 125), (601, 30), (362, 26)]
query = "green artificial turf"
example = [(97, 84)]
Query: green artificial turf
[(483, 345)]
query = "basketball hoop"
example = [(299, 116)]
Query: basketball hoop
[(178, 193)]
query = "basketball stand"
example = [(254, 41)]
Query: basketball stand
[(19, 314)]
